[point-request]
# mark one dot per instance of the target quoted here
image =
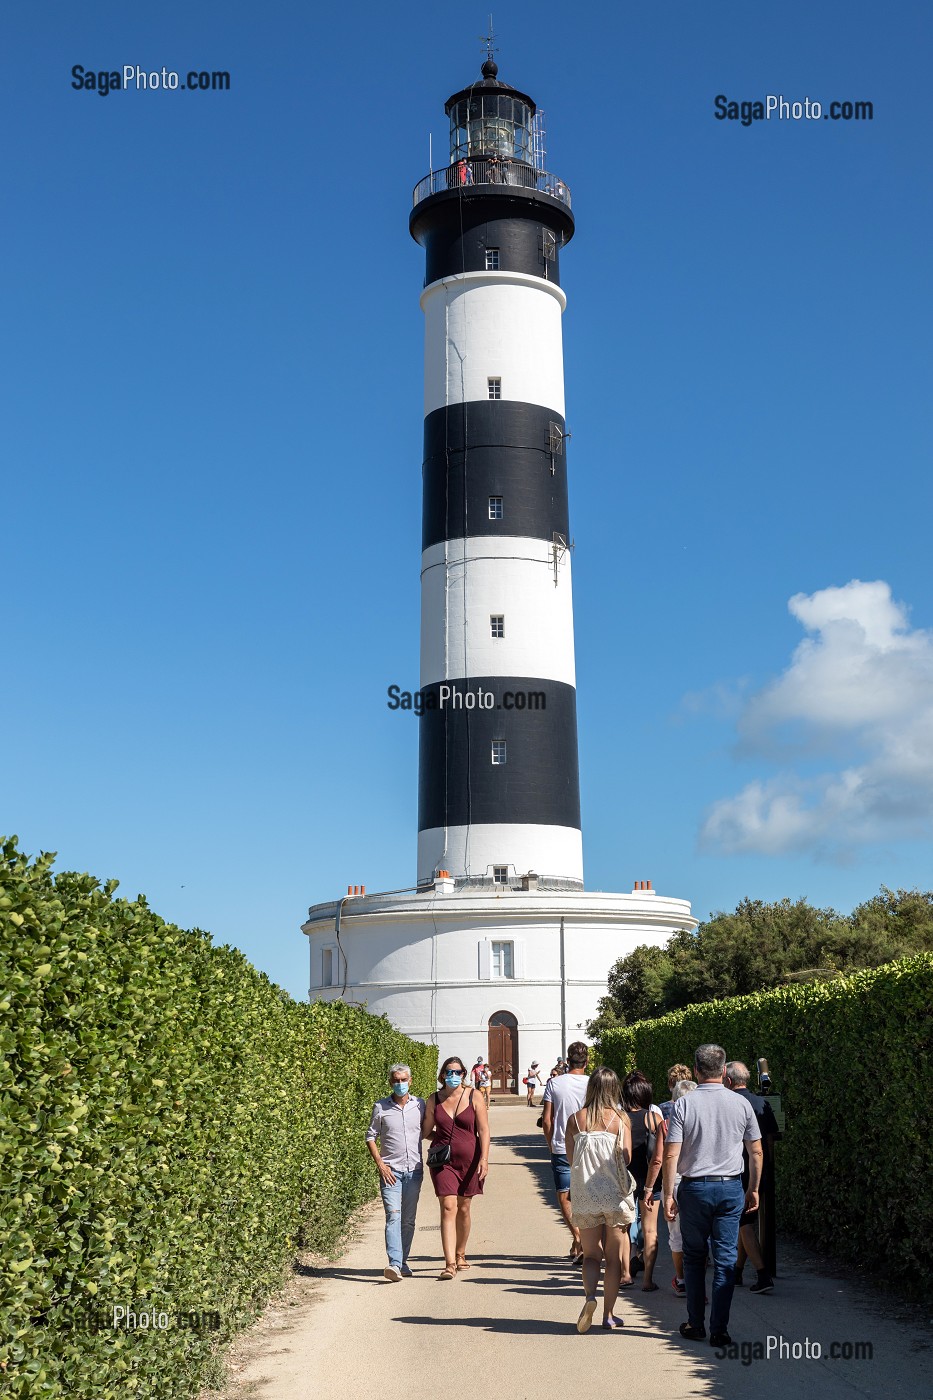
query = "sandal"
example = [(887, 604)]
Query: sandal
[(586, 1317), (612, 1323), (448, 1271), (462, 1262), (649, 1288)]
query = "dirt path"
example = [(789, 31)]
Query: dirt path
[(508, 1325)]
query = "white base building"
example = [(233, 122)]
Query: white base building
[(478, 971)]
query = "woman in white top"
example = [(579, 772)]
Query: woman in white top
[(599, 1149), (531, 1078)]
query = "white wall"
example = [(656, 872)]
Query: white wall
[(548, 850), (464, 582), (480, 324)]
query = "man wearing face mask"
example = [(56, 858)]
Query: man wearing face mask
[(397, 1123)]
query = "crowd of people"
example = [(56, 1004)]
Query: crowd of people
[(618, 1161)]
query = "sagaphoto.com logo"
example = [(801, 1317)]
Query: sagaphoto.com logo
[(132, 78), (777, 107)]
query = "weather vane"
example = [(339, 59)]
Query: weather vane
[(490, 41)]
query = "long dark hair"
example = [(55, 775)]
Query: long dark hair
[(636, 1091)]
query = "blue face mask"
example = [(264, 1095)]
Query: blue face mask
[(400, 1089), (453, 1081)]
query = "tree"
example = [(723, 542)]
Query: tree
[(635, 989), (760, 946)]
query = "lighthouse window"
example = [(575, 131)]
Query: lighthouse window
[(497, 624), (492, 259), (502, 961), (500, 873), (495, 507), (495, 388), (327, 968), (498, 750)]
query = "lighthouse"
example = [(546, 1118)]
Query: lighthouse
[(498, 790), (497, 949)]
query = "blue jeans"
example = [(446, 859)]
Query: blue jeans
[(709, 1214), (401, 1204)]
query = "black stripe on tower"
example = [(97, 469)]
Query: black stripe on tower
[(538, 783), (457, 229), (484, 449)]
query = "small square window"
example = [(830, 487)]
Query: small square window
[(500, 873), (498, 750), (327, 968), (495, 507), (495, 388), (497, 624), (492, 259)]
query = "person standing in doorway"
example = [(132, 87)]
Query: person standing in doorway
[(532, 1078), (396, 1127), (564, 1094), (704, 1144)]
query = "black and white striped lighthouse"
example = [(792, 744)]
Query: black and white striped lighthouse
[(498, 775), (499, 952)]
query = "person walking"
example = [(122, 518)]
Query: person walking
[(736, 1078), (675, 1075), (563, 1095), (458, 1157), (531, 1079), (647, 1129), (599, 1148), (396, 1126), (704, 1144), (482, 1078), (682, 1087)]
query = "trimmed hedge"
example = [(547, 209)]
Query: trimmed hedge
[(172, 1124), (852, 1061)]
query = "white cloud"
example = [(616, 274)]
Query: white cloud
[(860, 689)]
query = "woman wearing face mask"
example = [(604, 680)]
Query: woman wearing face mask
[(457, 1123)]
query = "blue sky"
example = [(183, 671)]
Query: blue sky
[(212, 374)]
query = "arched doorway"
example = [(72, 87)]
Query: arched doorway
[(503, 1052)]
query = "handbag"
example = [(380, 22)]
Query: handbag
[(626, 1180), (439, 1152)]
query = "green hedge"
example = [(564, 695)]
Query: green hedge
[(171, 1125), (852, 1061)]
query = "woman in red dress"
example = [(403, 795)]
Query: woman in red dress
[(456, 1116)]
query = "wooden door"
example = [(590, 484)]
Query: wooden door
[(503, 1052)]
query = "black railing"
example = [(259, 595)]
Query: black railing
[(464, 174)]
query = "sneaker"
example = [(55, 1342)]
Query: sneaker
[(720, 1339), (693, 1334), (679, 1287), (393, 1274), (406, 1272), (764, 1285)]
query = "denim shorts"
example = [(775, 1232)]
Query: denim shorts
[(561, 1169)]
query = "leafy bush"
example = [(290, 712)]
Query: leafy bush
[(851, 1059), (171, 1125), (762, 946)]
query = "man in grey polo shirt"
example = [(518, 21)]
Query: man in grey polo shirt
[(704, 1144), (396, 1123)]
